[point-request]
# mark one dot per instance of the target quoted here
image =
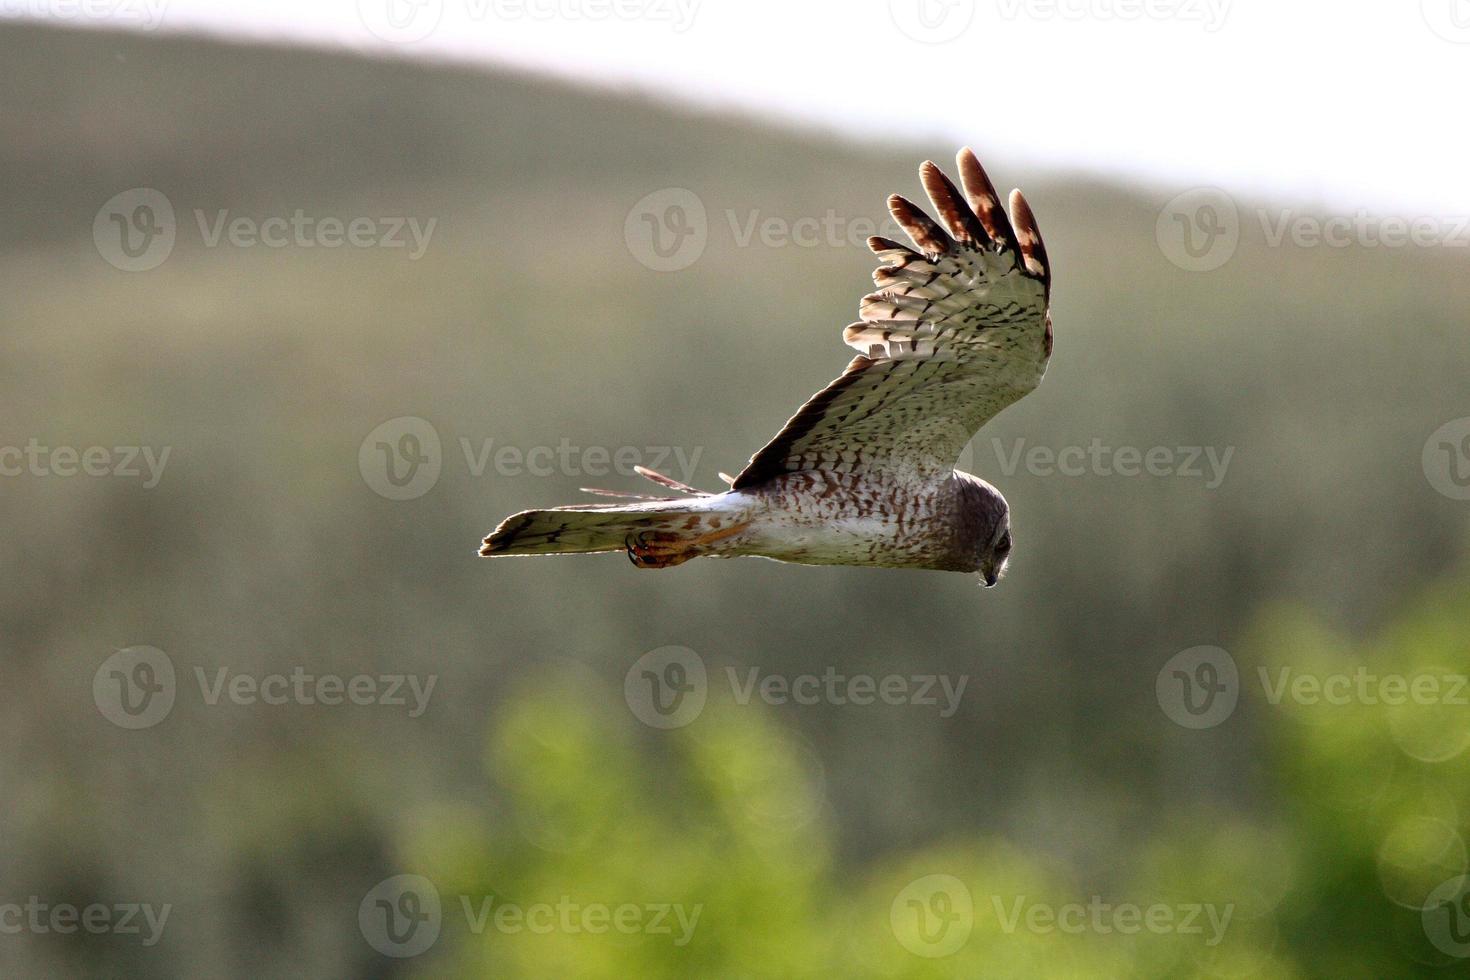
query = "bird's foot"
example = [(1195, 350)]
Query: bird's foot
[(658, 549), (665, 549)]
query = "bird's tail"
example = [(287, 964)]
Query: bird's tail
[(585, 529)]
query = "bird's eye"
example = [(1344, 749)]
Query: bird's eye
[(1004, 545)]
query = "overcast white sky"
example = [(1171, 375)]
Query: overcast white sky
[(1348, 104)]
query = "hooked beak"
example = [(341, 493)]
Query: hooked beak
[(990, 577)]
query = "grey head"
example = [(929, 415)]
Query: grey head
[(984, 526)]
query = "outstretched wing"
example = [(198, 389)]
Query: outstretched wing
[(957, 330)]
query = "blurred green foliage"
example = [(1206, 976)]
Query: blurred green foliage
[(1368, 818)]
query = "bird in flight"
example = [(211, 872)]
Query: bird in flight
[(863, 474)]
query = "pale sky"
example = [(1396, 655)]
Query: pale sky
[(1345, 104)]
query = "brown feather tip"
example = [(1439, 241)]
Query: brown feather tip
[(983, 198), (951, 205), (1028, 235), (924, 230), (877, 244)]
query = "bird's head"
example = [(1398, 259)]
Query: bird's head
[(985, 519), (993, 561)]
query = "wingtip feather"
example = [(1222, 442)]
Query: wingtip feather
[(949, 202), (924, 230), (983, 199), (1028, 235)]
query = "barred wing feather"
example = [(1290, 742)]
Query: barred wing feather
[(958, 330)]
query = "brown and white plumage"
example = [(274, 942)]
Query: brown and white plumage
[(957, 330)]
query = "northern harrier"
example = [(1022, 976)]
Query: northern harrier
[(864, 473)]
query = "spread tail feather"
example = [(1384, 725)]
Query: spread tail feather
[(582, 529)]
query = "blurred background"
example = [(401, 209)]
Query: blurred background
[(295, 305)]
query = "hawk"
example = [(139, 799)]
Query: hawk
[(863, 473)]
